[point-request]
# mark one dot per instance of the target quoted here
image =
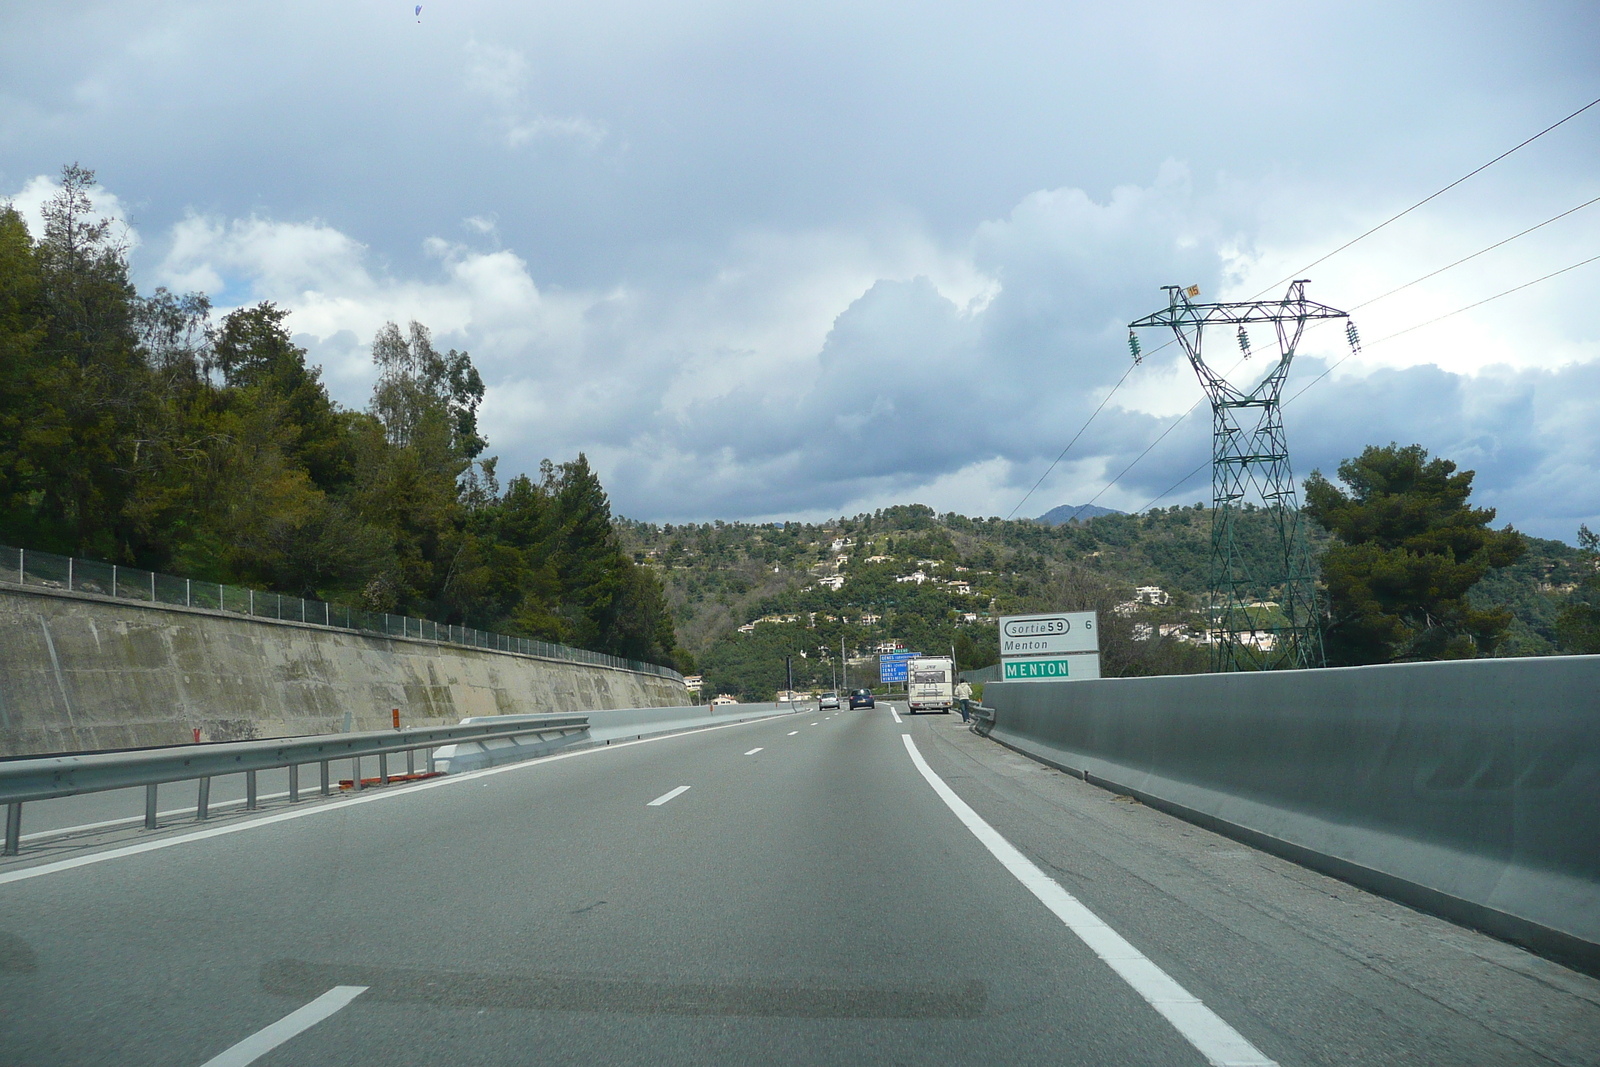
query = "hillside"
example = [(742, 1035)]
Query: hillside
[(929, 582)]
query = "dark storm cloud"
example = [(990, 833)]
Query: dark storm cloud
[(812, 257)]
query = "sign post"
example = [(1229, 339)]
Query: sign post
[(1050, 647)]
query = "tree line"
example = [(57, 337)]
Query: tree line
[(140, 430)]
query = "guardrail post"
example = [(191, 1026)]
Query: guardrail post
[(355, 772), (150, 807), (383, 768), (294, 783), (327, 789), (411, 762), (13, 827), (202, 804), (250, 790), (432, 769)]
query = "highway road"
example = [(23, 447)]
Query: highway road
[(860, 887)]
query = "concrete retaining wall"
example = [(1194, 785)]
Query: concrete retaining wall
[(1471, 789), (81, 672)]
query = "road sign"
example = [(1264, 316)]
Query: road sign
[(1054, 634), (892, 668), (1051, 668)]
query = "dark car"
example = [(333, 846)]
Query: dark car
[(862, 698)]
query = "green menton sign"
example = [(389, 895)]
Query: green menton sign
[(1035, 668)]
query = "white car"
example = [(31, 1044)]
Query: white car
[(827, 701)]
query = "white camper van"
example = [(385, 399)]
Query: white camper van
[(931, 684)]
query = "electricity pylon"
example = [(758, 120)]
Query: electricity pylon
[(1250, 463)]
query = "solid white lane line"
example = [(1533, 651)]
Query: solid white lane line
[(264, 1041), (753, 751), (25, 873), (1203, 1028), (664, 797), (793, 732)]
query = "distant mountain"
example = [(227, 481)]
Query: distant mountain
[(1057, 516)]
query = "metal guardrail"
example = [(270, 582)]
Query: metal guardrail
[(982, 719), (47, 777), (45, 569)]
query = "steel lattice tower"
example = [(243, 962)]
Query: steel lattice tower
[(1250, 463)]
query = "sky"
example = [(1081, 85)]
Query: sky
[(787, 261)]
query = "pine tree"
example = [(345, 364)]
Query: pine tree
[(1408, 548)]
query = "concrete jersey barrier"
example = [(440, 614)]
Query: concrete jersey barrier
[(1468, 788)]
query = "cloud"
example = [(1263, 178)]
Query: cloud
[(501, 76), (805, 371), (811, 373)]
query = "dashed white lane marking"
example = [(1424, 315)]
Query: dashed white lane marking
[(373, 797), (816, 724), (664, 797), (753, 751), (896, 714), (793, 732), (1203, 1028), (264, 1041)]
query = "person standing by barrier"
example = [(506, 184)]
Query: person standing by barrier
[(964, 694)]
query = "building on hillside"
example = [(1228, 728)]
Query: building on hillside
[(969, 616), (1152, 594), (879, 559), (889, 648), (832, 581), (958, 586), (914, 576), (693, 682), (869, 619)]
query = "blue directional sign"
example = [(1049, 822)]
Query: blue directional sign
[(892, 668)]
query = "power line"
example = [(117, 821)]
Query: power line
[(1074, 440), (1431, 196), (1106, 400), (1441, 318), (1172, 488), (1105, 488), (1476, 254)]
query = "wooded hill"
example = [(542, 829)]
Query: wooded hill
[(720, 576)]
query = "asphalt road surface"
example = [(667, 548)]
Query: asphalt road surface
[(855, 887)]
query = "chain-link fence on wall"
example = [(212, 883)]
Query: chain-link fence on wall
[(27, 567)]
